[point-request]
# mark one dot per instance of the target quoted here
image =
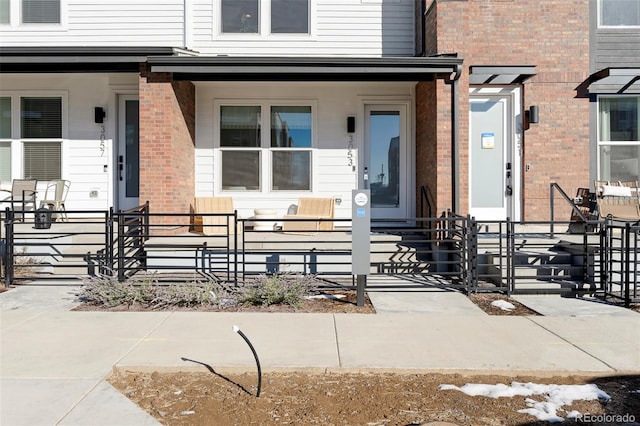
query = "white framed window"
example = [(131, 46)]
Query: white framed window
[(5, 12), (619, 13), (31, 133), (262, 18), (279, 158), (618, 138)]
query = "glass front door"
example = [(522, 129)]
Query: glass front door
[(128, 156), (385, 165)]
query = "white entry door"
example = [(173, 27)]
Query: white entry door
[(128, 155), (491, 165), (385, 163)]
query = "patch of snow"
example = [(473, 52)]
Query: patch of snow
[(187, 412), (556, 396), (327, 296), (503, 304)]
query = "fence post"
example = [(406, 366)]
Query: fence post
[(121, 240), (510, 257), (626, 264), (472, 283), (9, 248)]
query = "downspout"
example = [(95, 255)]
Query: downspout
[(455, 138)]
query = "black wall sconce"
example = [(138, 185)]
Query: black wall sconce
[(351, 124), (534, 116), (531, 116), (99, 115)]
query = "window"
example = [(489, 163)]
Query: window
[(618, 139), (289, 16), (5, 134), (38, 122), (619, 13), (282, 156), (240, 16), (259, 16), (40, 11), (5, 12)]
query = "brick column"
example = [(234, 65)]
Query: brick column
[(167, 144)]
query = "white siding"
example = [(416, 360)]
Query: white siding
[(338, 28), (333, 177), (105, 23)]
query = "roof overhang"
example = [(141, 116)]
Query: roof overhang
[(500, 75), (615, 80), (228, 68), (78, 59)]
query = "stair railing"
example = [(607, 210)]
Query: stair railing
[(555, 187)]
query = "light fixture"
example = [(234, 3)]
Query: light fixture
[(534, 116), (99, 115), (351, 124)]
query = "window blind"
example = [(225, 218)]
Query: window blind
[(42, 160), (41, 118), (5, 161)]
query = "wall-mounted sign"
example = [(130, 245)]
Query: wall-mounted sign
[(488, 140)]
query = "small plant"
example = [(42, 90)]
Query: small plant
[(275, 289), (25, 265), (148, 292)]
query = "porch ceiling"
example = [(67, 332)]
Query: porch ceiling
[(496, 75), (225, 68)]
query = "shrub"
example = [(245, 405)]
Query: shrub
[(146, 291), (275, 289)]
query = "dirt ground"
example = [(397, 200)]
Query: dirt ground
[(211, 398)]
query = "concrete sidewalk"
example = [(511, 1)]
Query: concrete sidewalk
[(53, 362)]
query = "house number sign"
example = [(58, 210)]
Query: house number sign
[(350, 152), (102, 138)]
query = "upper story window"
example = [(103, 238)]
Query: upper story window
[(31, 12), (265, 16), (619, 13), (240, 16), (40, 12), (289, 16), (5, 12)]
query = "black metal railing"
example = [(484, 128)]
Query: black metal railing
[(620, 274), (451, 250)]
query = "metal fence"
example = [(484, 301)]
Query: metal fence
[(451, 250)]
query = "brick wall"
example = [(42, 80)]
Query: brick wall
[(167, 143), (553, 35)]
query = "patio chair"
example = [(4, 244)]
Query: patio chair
[(213, 225), (55, 197), (618, 200), (22, 195), (314, 209)]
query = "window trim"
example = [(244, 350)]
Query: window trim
[(265, 148), (611, 27), (264, 25)]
